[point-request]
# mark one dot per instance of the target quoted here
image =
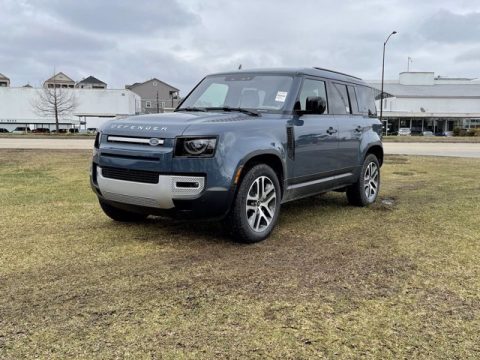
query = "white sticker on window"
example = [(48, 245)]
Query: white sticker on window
[(281, 96)]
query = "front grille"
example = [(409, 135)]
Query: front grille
[(149, 177)]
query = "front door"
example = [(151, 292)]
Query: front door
[(315, 138)]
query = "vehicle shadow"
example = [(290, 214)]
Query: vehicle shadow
[(215, 231)]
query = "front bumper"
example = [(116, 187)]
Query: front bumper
[(173, 195), (159, 195)]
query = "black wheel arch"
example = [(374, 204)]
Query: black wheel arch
[(271, 159), (376, 150)]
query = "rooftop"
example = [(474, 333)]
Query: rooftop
[(431, 91), (91, 80), (313, 71)]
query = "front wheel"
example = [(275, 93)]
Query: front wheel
[(365, 191), (257, 205)]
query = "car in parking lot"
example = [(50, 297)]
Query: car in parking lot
[(41, 131), (404, 132), (241, 144), (21, 130)]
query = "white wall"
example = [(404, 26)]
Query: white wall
[(16, 105), (433, 105)]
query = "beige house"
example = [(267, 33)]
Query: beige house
[(59, 80), (4, 81)]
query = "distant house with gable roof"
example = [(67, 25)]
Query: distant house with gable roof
[(91, 82), (156, 95)]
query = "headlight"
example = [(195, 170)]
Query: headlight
[(196, 147)]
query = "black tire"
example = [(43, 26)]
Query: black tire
[(238, 219), (357, 193), (121, 215)]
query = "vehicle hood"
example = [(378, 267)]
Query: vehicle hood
[(167, 125)]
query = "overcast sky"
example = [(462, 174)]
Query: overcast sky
[(179, 41)]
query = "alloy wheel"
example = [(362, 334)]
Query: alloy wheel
[(261, 203), (371, 181)]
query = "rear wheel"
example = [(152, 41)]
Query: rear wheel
[(121, 215), (365, 191), (256, 206)]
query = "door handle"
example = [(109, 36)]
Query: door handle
[(358, 129), (331, 131)]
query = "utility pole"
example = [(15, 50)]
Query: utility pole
[(158, 105), (383, 73)]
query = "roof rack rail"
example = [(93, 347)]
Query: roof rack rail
[(336, 72)]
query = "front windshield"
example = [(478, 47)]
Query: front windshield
[(258, 92)]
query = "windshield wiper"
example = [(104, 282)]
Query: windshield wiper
[(239, 109), (191, 109)]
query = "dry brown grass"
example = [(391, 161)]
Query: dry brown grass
[(400, 279)]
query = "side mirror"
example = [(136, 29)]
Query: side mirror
[(315, 105)]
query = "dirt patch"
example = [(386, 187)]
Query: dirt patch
[(384, 204), (404, 173)]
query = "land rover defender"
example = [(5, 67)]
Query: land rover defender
[(241, 144)]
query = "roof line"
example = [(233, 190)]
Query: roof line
[(163, 82), (336, 72)]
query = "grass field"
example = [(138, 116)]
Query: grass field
[(400, 279)]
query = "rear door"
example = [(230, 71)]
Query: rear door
[(351, 125)]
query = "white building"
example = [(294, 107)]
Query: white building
[(423, 102), (94, 107)]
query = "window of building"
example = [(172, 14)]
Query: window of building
[(312, 88), (154, 83), (148, 104)]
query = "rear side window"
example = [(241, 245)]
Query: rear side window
[(366, 101), (312, 88), (340, 99)]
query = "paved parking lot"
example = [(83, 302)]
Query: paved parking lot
[(431, 149), (434, 149)]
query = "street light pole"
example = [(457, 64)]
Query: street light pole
[(383, 72)]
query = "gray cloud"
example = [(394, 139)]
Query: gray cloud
[(122, 16), (447, 27), (472, 55), (179, 41)]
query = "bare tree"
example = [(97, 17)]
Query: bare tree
[(55, 102)]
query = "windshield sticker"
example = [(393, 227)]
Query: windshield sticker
[(281, 96)]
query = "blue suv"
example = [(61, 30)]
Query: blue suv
[(240, 145)]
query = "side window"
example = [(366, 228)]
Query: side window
[(214, 96), (312, 88), (340, 96), (353, 99), (366, 101)]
